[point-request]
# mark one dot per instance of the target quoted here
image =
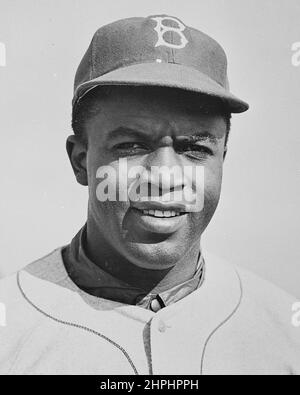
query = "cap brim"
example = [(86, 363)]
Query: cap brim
[(165, 75)]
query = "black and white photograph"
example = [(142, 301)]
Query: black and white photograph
[(150, 190)]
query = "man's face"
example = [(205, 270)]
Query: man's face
[(152, 128)]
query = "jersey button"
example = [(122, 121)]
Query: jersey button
[(162, 327)]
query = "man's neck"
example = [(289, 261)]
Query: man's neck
[(101, 253)]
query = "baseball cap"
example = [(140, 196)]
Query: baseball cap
[(159, 50)]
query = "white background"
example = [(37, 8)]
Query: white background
[(42, 207)]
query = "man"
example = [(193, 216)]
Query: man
[(134, 293)]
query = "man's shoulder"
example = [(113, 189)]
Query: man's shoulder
[(42, 268), (261, 302), (260, 289), (16, 289), (252, 285), (259, 324), (20, 318)]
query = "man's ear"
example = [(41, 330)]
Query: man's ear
[(77, 151)]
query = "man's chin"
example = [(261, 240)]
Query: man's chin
[(158, 256)]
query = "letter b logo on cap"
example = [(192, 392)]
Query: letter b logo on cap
[(161, 29)]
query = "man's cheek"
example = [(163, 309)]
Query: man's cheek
[(105, 183), (213, 181), (212, 191)]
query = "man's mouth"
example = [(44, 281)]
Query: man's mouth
[(160, 221), (162, 213), (161, 209)]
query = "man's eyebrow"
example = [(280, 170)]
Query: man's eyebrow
[(199, 137), (123, 131)]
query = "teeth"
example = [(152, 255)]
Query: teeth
[(160, 213)]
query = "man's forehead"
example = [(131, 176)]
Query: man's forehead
[(150, 127)]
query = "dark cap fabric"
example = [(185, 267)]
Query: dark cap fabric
[(159, 50)]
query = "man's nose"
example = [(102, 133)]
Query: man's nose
[(164, 168)]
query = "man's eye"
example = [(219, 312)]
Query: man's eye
[(194, 150), (130, 147)]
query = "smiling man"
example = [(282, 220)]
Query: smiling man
[(133, 293)]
